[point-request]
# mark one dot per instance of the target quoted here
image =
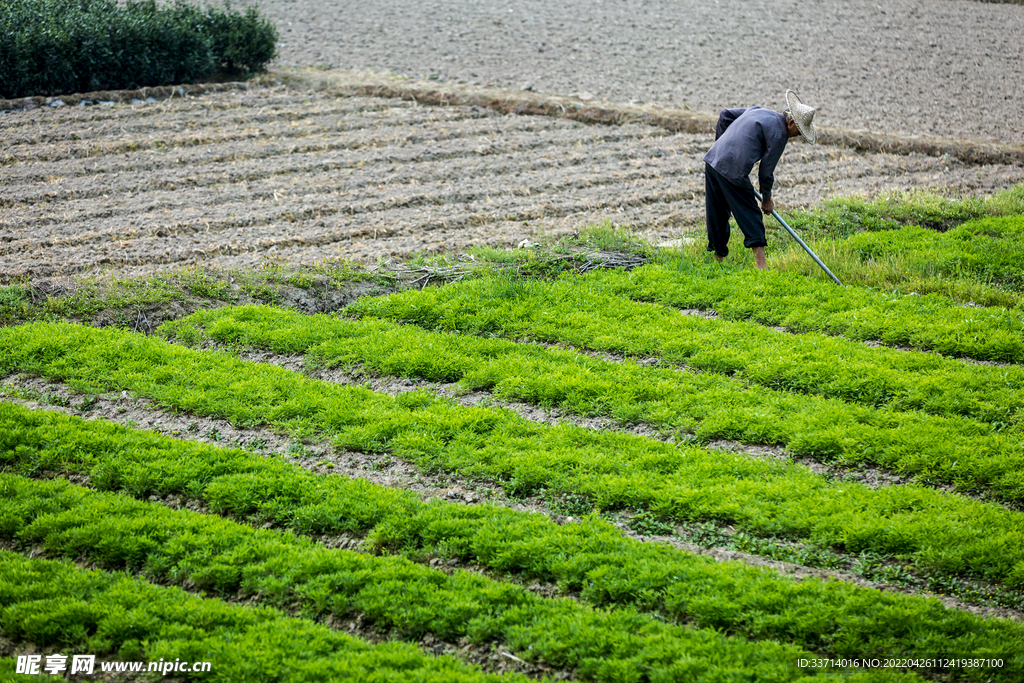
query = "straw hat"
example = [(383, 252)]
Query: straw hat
[(802, 114)]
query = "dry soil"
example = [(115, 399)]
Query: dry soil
[(950, 68), (233, 178)]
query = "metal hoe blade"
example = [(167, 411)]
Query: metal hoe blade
[(801, 242)]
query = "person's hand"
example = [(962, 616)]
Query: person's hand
[(767, 206)]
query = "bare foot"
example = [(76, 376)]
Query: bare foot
[(759, 257)]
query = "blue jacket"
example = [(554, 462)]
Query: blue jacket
[(742, 138)]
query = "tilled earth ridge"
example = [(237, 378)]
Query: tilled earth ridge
[(325, 460), (950, 68), (231, 178)]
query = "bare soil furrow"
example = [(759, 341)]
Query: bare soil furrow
[(201, 237), (39, 136), (401, 163), (321, 458), (327, 164), (93, 203), (148, 127), (199, 130), (349, 195), (871, 477), (601, 168)]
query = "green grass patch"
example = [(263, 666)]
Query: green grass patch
[(58, 607), (976, 263), (846, 216), (388, 593), (801, 304), (591, 558), (938, 531), (709, 405), (911, 253)]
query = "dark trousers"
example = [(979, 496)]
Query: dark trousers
[(721, 198)]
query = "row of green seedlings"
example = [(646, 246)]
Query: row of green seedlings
[(599, 312), (514, 371), (987, 249), (939, 532), (706, 534), (54, 607), (975, 262), (870, 566), (391, 594), (972, 261), (650, 605), (930, 321), (846, 216), (980, 452)]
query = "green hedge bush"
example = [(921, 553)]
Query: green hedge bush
[(52, 47)]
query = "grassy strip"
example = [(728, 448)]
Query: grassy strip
[(591, 558), (229, 559), (928, 322), (610, 470), (708, 404), (984, 253), (56, 605), (987, 250), (122, 300), (8, 666)]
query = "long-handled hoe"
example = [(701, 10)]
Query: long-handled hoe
[(801, 242)]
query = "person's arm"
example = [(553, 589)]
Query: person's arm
[(775, 142), (725, 119)]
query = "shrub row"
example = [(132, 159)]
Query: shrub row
[(937, 530), (52, 47), (591, 557), (951, 450), (59, 607)]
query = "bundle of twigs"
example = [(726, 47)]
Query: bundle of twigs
[(424, 274), (611, 259)]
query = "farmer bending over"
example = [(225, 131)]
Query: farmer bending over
[(742, 138)]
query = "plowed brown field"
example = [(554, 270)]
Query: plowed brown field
[(229, 178)]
